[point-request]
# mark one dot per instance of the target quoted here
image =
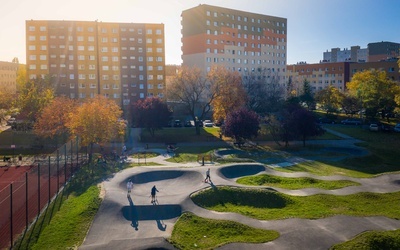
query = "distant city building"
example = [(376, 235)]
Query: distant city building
[(241, 41), (355, 54), (375, 52), (322, 75), (319, 75), (122, 61), (383, 51), (8, 76)]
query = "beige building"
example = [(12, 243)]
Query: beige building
[(8, 76), (122, 61)]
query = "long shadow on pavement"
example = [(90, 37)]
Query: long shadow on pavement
[(136, 213)]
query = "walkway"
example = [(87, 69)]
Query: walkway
[(123, 223)]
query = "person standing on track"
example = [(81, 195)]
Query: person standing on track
[(129, 186), (208, 178), (153, 194)]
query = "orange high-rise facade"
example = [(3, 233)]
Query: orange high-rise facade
[(239, 40), (122, 61)]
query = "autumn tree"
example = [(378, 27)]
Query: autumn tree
[(265, 94), (298, 123), (307, 96), (375, 91), (151, 113), (52, 121), (191, 88), (97, 121), (230, 93), (329, 98), (241, 124), (350, 104), (33, 96)]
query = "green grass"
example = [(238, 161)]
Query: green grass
[(388, 240), (190, 154), (142, 163), (193, 232), (324, 169), (142, 155), (268, 205), (70, 225), (176, 135), (65, 223), (384, 149), (294, 183)]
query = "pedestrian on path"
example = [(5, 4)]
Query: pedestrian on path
[(129, 186), (208, 178), (153, 194)]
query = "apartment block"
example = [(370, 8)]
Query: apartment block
[(122, 61), (375, 52), (355, 54), (8, 77), (389, 66), (383, 51), (239, 40), (319, 75)]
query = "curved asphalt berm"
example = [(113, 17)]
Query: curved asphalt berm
[(135, 223)]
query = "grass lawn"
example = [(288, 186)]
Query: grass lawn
[(264, 204), (323, 169), (190, 154), (384, 149), (372, 240), (294, 183), (65, 223), (142, 155), (176, 135), (193, 232)]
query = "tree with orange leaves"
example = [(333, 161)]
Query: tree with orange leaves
[(52, 121), (97, 121), (230, 94)]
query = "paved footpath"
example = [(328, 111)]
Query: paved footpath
[(135, 223)]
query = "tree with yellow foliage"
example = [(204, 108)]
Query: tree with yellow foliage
[(97, 121), (230, 93), (375, 91)]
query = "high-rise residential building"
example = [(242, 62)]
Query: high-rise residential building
[(122, 61), (239, 40), (319, 75), (382, 51), (8, 77)]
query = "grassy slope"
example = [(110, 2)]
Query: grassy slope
[(266, 205), (372, 241), (70, 225), (193, 232), (293, 183)]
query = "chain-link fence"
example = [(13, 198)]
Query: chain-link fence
[(27, 190)]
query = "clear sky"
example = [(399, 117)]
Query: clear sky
[(314, 26)]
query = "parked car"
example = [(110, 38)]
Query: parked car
[(373, 127), (189, 123), (397, 128), (208, 123), (326, 121), (177, 123), (10, 121), (351, 122), (386, 128)]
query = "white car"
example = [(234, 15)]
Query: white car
[(207, 123), (373, 127)]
